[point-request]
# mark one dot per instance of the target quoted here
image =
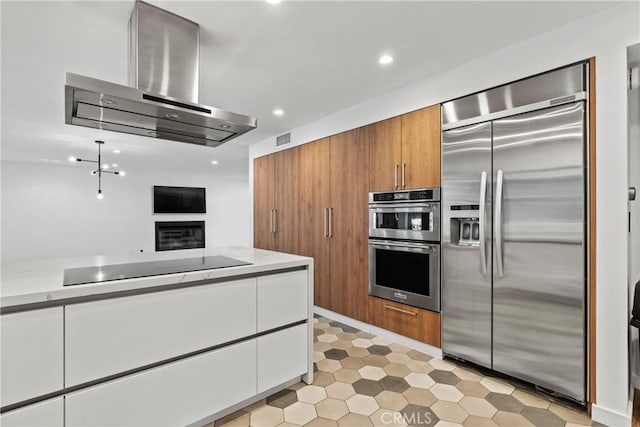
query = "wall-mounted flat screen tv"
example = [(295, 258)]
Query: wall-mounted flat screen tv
[(179, 199)]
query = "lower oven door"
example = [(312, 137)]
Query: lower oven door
[(406, 272)]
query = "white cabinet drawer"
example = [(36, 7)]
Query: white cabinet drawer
[(112, 336), (49, 413), (31, 354), (282, 299), (176, 394), (282, 356)]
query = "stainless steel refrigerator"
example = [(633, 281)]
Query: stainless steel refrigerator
[(514, 229)]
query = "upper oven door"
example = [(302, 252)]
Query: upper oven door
[(420, 221)]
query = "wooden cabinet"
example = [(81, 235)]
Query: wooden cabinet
[(275, 201), (405, 151), (421, 148), (31, 354), (287, 191), (313, 204), (318, 207), (348, 223), (385, 153), (264, 179), (412, 322)]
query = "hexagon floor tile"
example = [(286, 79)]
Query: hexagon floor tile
[(363, 380)]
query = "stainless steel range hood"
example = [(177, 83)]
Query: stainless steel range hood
[(162, 101)]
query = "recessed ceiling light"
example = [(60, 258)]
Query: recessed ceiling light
[(116, 151), (214, 162), (278, 112), (385, 59), (273, 1)]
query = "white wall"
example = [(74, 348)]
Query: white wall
[(51, 211), (605, 36)]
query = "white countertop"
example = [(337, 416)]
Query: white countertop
[(39, 281)]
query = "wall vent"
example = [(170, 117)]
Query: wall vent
[(283, 139)]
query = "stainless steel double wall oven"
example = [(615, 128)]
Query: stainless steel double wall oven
[(404, 247)]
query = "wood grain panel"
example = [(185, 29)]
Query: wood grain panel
[(412, 322), (263, 201), (287, 192), (421, 147), (635, 418), (385, 154), (312, 202), (349, 178), (591, 375)]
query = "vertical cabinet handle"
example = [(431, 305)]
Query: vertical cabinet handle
[(481, 220), (395, 176), (275, 221), (330, 222), (498, 224), (326, 222), (271, 220), (404, 168)]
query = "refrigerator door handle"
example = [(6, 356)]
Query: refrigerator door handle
[(481, 220), (498, 224)]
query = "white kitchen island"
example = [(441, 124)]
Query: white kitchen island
[(171, 349)]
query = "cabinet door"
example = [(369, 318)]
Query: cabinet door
[(349, 178), (180, 393), (385, 154), (49, 413), (275, 365), (287, 190), (313, 202), (412, 322), (263, 202), (108, 337), (282, 299), (421, 148), (32, 354)]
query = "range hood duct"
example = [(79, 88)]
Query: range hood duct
[(162, 99)]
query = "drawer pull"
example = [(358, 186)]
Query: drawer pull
[(401, 310)]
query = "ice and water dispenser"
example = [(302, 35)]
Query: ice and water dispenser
[(465, 229)]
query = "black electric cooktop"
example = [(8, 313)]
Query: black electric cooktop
[(84, 275)]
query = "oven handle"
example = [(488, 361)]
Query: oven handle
[(382, 243), (405, 207)]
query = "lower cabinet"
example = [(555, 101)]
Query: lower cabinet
[(282, 299), (281, 356), (421, 325), (31, 354), (43, 414), (107, 337), (176, 394)]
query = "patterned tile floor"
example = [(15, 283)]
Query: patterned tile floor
[(363, 380)]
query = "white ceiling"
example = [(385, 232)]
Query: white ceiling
[(308, 58)]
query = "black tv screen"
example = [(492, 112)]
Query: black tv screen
[(179, 199)]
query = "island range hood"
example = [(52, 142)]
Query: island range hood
[(161, 100)]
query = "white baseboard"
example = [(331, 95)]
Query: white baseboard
[(609, 417), (383, 333)]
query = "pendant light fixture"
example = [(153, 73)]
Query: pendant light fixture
[(102, 168)]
